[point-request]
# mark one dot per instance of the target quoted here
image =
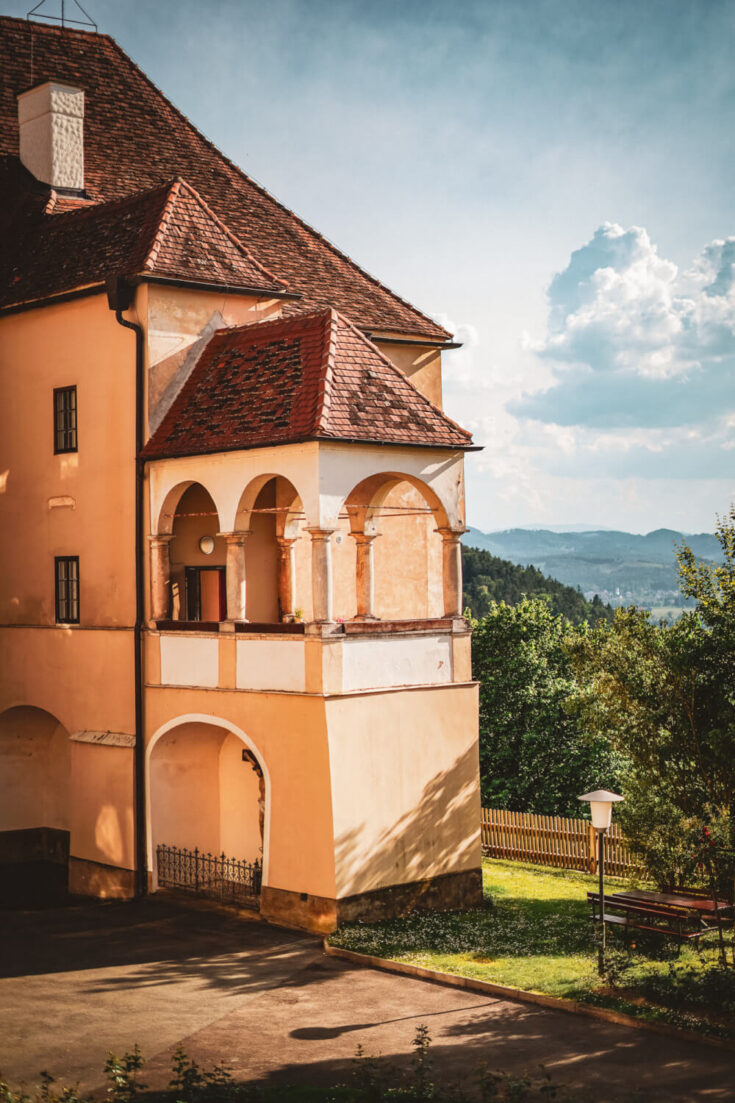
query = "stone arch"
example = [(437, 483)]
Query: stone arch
[(365, 500), (169, 806), (288, 506), (34, 801), (399, 575), (163, 525)]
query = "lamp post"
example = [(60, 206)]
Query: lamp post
[(601, 802)]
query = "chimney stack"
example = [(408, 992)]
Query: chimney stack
[(51, 122)]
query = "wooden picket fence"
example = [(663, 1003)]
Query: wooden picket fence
[(555, 841)]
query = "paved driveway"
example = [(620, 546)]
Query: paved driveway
[(80, 981)]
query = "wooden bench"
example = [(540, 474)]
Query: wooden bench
[(676, 922)]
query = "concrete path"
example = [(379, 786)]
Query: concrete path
[(80, 981)]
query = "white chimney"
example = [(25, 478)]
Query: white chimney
[(51, 122)]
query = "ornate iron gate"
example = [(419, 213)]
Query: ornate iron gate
[(216, 876)]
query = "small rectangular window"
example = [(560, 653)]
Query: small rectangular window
[(67, 589), (65, 419)]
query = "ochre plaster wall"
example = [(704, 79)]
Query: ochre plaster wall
[(239, 829), (178, 324), (422, 365), (101, 817), (405, 786), (184, 784), (261, 560), (34, 770), (288, 733), (83, 676), (70, 504), (407, 558)]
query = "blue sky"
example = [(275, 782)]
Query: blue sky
[(551, 178)]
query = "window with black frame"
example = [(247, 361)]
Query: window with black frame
[(67, 589), (65, 419)]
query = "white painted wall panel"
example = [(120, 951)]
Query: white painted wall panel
[(271, 664), (396, 661), (189, 661)]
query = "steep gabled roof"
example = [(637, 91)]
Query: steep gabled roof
[(168, 231), (309, 377), (135, 139)]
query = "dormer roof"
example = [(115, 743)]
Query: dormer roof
[(309, 377), (166, 232)]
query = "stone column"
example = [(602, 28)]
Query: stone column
[(286, 576), (235, 574), (364, 576), (321, 574), (452, 572), (160, 562)]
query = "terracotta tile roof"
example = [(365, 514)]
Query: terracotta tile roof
[(168, 231), (135, 139), (310, 377)]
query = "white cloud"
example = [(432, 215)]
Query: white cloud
[(625, 408), (633, 341)]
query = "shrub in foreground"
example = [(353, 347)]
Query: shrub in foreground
[(372, 1080)]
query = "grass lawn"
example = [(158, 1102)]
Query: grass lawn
[(537, 935)]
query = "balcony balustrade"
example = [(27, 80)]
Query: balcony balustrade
[(295, 658)]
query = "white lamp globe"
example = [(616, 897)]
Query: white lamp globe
[(601, 802)]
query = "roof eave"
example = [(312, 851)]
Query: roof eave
[(214, 285), (190, 454), (52, 300)]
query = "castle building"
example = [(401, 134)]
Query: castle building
[(232, 655)]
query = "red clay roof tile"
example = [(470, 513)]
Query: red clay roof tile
[(309, 377), (168, 231), (135, 139)]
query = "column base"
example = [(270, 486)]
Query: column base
[(323, 628)]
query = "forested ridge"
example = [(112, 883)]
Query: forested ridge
[(488, 579)]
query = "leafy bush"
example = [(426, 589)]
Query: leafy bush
[(372, 1081)]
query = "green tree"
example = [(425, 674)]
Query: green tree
[(534, 757), (665, 696)]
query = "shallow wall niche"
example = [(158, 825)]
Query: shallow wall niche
[(34, 807), (34, 773), (203, 794)]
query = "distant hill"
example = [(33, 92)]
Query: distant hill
[(487, 578), (620, 567), (579, 527)]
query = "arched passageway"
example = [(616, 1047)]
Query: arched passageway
[(206, 793), (34, 805)]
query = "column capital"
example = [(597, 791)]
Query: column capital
[(160, 539), (364, 537), (235, 537), (320, 534), (286, 542), (451, 535)]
